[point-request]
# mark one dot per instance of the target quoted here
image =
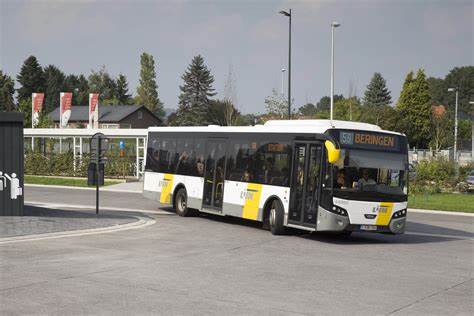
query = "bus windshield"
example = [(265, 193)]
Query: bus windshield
[(369, 175)]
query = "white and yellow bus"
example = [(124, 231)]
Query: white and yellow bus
[(309, 174)]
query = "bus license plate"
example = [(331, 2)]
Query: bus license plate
[(368, 227)]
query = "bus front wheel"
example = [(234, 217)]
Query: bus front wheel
[(275, 218), (181, 203)]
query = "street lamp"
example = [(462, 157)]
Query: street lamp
[(288, 14), (333, 26), (455, 123), (282, 80)]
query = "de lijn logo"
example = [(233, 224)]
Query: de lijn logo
[(15, 189)]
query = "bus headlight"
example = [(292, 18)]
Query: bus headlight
[(338, 210), (401, 213)]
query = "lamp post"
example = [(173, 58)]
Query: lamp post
[(288, 14), (282, 80), (455, 123), (333, 26)]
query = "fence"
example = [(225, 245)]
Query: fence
[(464, 157), (47, 142)]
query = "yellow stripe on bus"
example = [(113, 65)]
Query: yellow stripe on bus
[(165, 196), (252, 200), (383, 218)]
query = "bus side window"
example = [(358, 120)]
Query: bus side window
[(185, 154), (197, 168), (167, 155)]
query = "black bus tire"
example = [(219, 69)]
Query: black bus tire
[(181, 203), (275, 218)]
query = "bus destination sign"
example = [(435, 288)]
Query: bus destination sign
[(368, 140)]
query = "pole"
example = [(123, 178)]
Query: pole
[(456, 128), (332, 73), (97, 177), (282, 81), (289, 70)]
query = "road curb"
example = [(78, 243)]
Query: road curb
[(422, 211), (102, 189)]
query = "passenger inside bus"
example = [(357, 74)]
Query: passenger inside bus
[(340, 180), (200, 165), (365, 180)]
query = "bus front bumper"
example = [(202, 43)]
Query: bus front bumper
[(328, 221)]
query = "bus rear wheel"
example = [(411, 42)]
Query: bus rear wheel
[(181, 203), (275, 218)]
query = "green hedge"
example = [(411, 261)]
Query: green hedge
[(438, 175), (63, 165)]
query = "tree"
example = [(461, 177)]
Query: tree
[(195, 94), (101, 82), (308, 110), (147, 91), (30, 78), (377, 93), (346, 109), (440, 127), (80, 88), (7, 90), (415, 109), (55, 80), (123, 96), (222, 112), (325, 103), (276, 105), (462, 78)]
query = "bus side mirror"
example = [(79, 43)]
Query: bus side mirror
[(333, 152)]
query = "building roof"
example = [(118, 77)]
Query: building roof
[(279, 126), (107, 113)]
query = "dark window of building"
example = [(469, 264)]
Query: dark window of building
[(140, 115)]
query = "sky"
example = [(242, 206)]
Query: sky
[(249, 37)]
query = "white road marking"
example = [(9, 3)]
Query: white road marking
[(414, 210)]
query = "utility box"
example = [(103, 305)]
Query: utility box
[(11, 164)]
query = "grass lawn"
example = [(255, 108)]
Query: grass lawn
[(62, 181), (443, 202)]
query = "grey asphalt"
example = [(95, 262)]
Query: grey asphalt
[(221, 266)]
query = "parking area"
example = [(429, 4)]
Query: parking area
[(214, 265)]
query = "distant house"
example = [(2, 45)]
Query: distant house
[(110, 116)]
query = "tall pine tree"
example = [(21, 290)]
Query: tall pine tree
[(415, 109), (195, 94), (30, 78), (54, 86), (7, 90), (123, 97), (377, 93), (147, 91)]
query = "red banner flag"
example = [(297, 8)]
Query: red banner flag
[(93, 110), (65, 104), (36, 107)]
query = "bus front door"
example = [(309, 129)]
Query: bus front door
[(213, 192), (305, 184)]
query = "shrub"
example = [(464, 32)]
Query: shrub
[(61, 164)]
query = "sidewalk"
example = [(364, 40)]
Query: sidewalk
[(41, 220)]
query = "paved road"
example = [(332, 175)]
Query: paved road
[(211, 265)]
